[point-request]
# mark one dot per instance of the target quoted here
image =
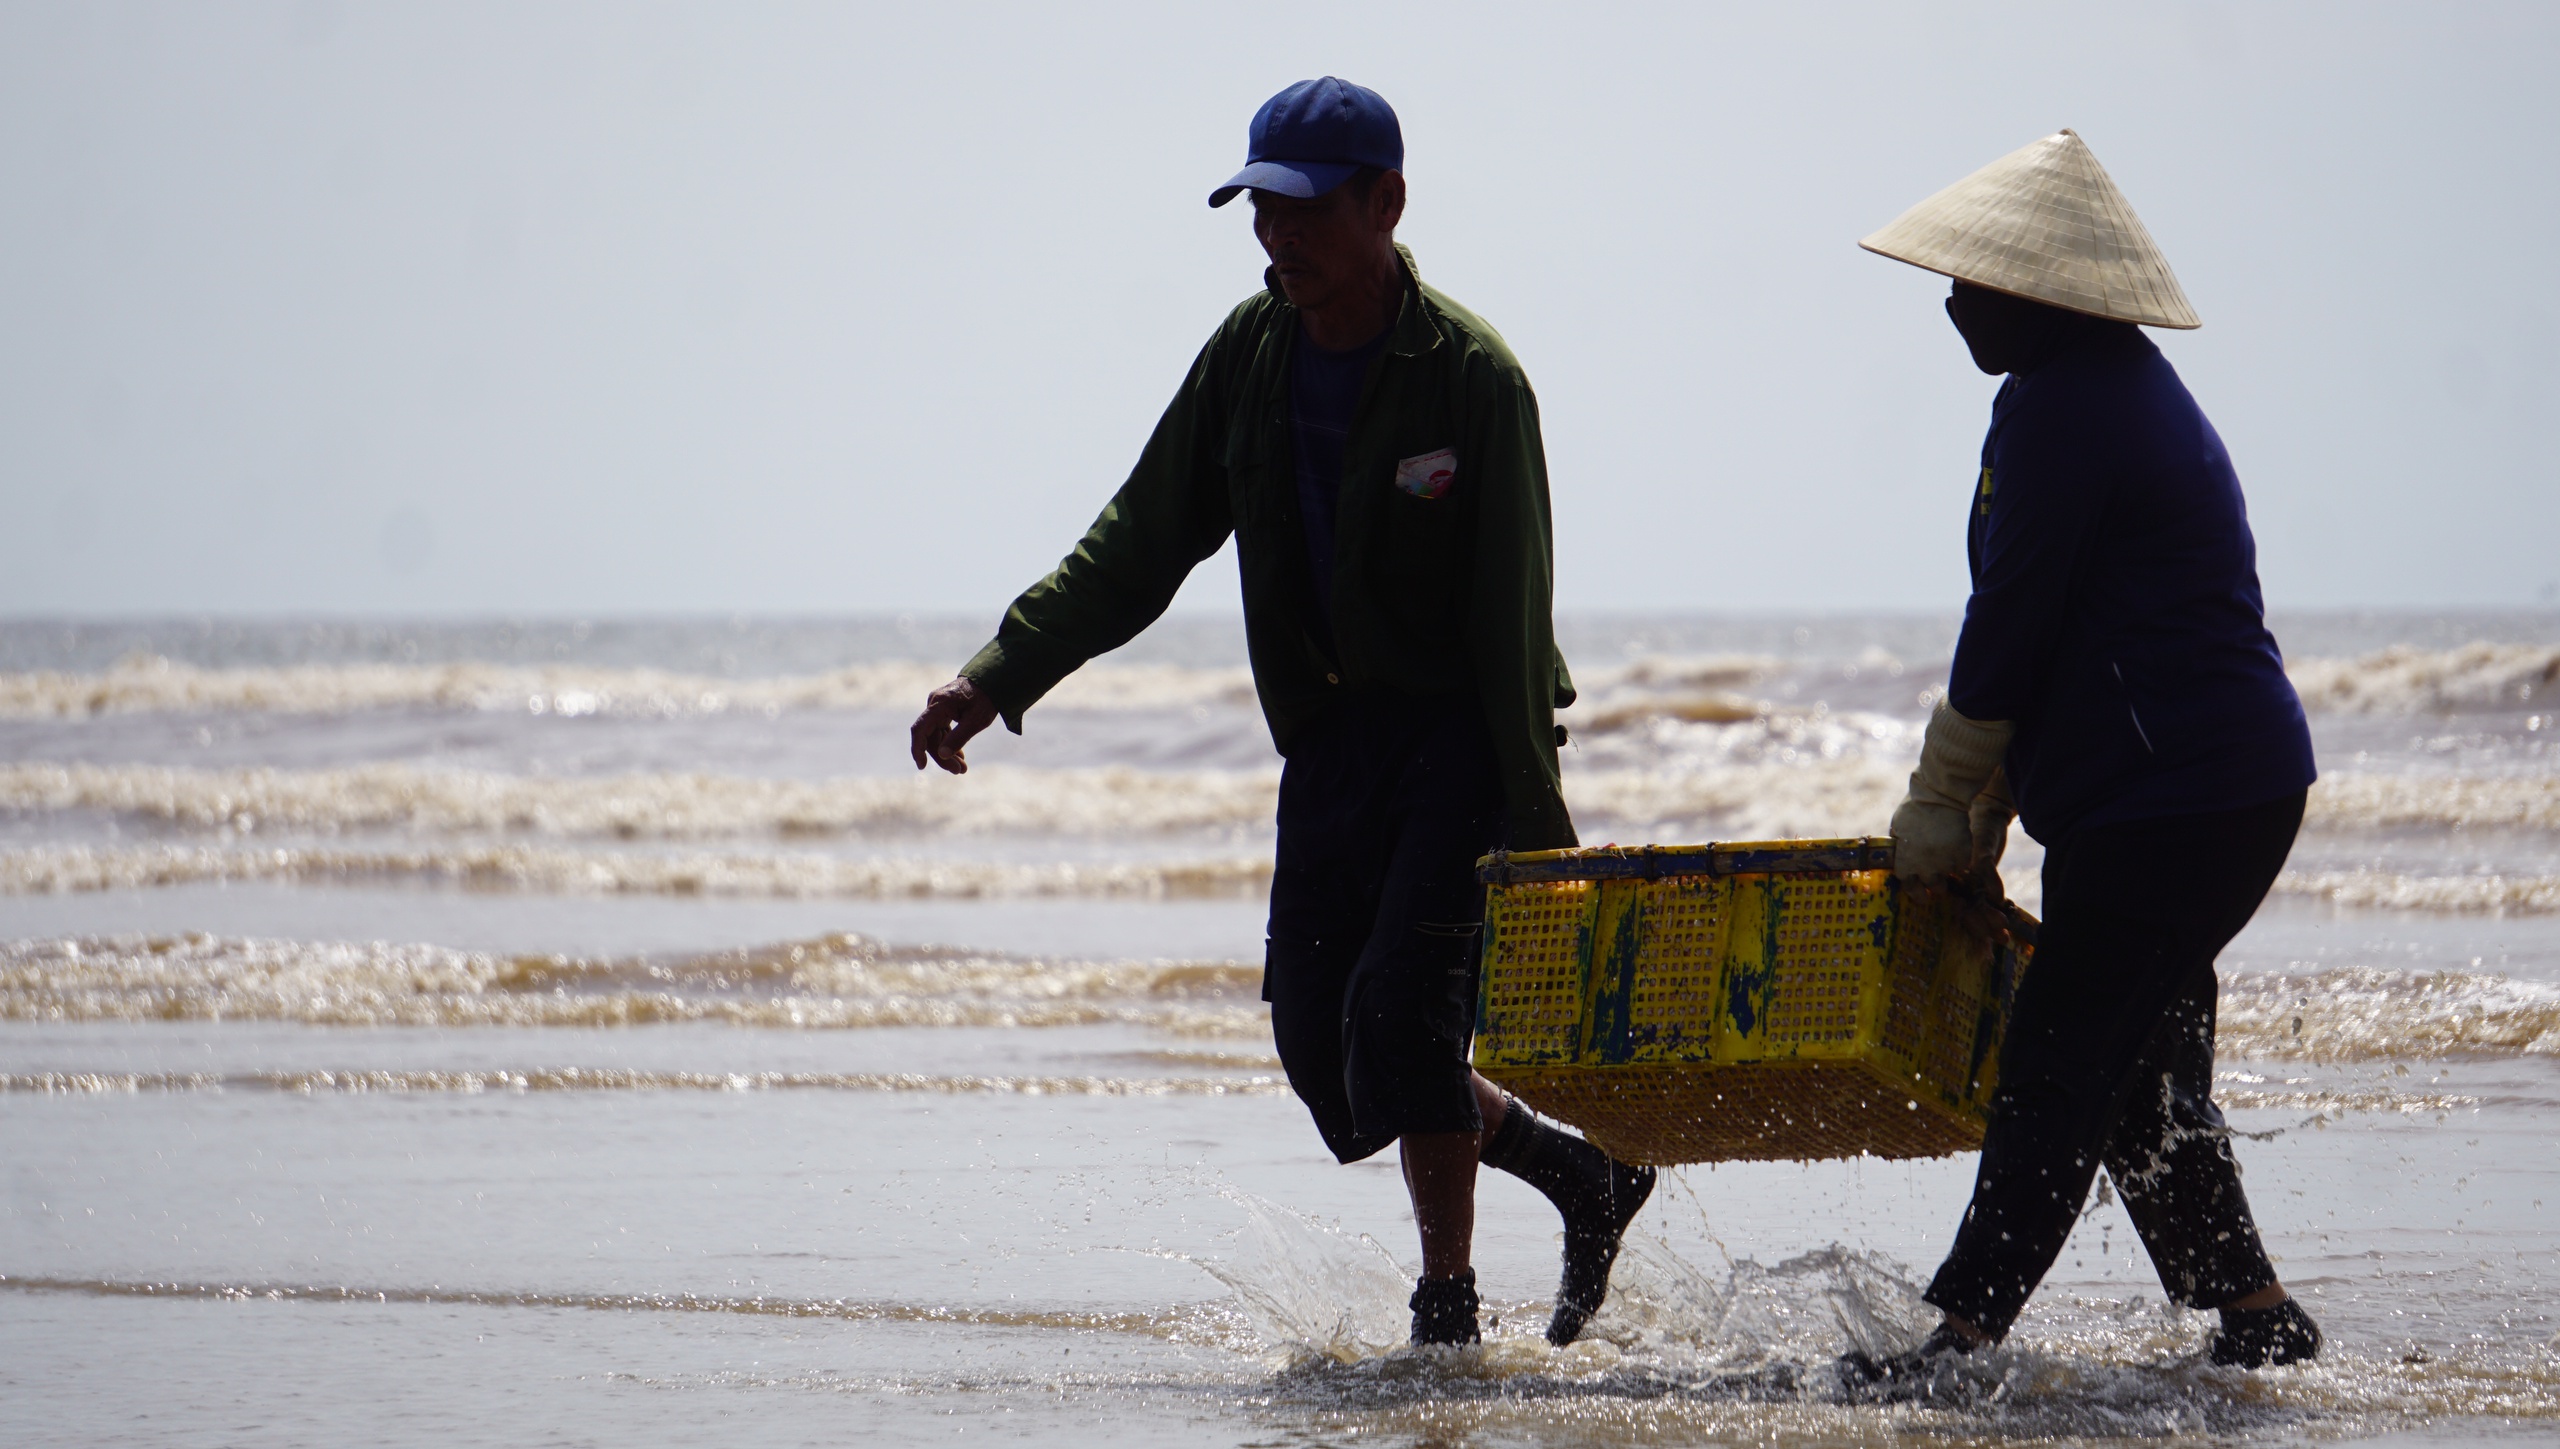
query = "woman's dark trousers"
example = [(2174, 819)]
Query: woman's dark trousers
[(2109, 1058)]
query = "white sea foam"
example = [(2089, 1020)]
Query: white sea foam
[(830, 982), (1742, 801), (1711, 689), (2408, 680), (1855, 794), (847, 981), (552, 871), (623, 1079), (1757, 797), (2364, 1014), (559, 871), (2357, 800), (2504, 895), (995, 800), (2402, 679), (2333, 1102), (151, 683), (1754, 801)]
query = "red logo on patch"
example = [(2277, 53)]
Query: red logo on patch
[(1430, 475)]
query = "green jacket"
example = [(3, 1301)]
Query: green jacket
[(1431, 594)]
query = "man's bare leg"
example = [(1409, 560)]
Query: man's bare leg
[(1596, 1195), (1440, 1174)]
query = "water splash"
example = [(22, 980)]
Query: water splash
[(1806, 1309), (1311, 1290)]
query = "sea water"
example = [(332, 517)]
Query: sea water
[(599, 1033)]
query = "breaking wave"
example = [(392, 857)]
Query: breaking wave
[(555, 871), (2518, 895), (654, 806), (2403, 679), (2408, 680), (149, 683), (847, 981), (832, 982), (1764, 799), (2362, 1014), (2336, 1102), (551, 871), (2368, 801), (1767, 800)]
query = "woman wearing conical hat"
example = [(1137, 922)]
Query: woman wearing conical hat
[(2114, 677)]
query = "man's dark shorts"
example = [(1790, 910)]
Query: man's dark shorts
[(1385, 805)]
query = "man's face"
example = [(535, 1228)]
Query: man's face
[(1322, 246)]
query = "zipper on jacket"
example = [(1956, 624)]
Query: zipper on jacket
[(2130, 713)]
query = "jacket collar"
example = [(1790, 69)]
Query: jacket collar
[(1413, 332)]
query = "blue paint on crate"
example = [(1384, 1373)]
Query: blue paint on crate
[(1613, 1014), (1749, 992)]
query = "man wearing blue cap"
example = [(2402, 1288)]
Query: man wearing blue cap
[(1374, 449)]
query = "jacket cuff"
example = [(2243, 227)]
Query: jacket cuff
[(1005, 679)]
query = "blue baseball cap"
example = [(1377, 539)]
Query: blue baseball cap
[(1311, 137)]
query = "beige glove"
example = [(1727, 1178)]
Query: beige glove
[(1933, 834), (1991, 812)]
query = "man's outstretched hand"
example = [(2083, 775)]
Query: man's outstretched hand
[(952, 717)]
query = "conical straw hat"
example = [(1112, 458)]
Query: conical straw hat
[(2044, 222)]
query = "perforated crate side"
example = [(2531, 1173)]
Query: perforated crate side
[(1953, 1028), (1803, 966), (1617, 958), (2009, 962), (1949, 1003), (1971, 1011), (1910, 974), (1672, 1008), (1873, 1024), (1666, 1113), (1532, 993)]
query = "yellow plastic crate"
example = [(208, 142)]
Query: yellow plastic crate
[(1779, 999)]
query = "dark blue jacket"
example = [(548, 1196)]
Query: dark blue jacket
[(2115, 612)]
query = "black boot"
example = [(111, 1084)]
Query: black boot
[(1911, 1375), (1444, 1309), (2257, 1337), (1597, 1194)]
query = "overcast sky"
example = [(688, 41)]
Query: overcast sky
[(553, 308)]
